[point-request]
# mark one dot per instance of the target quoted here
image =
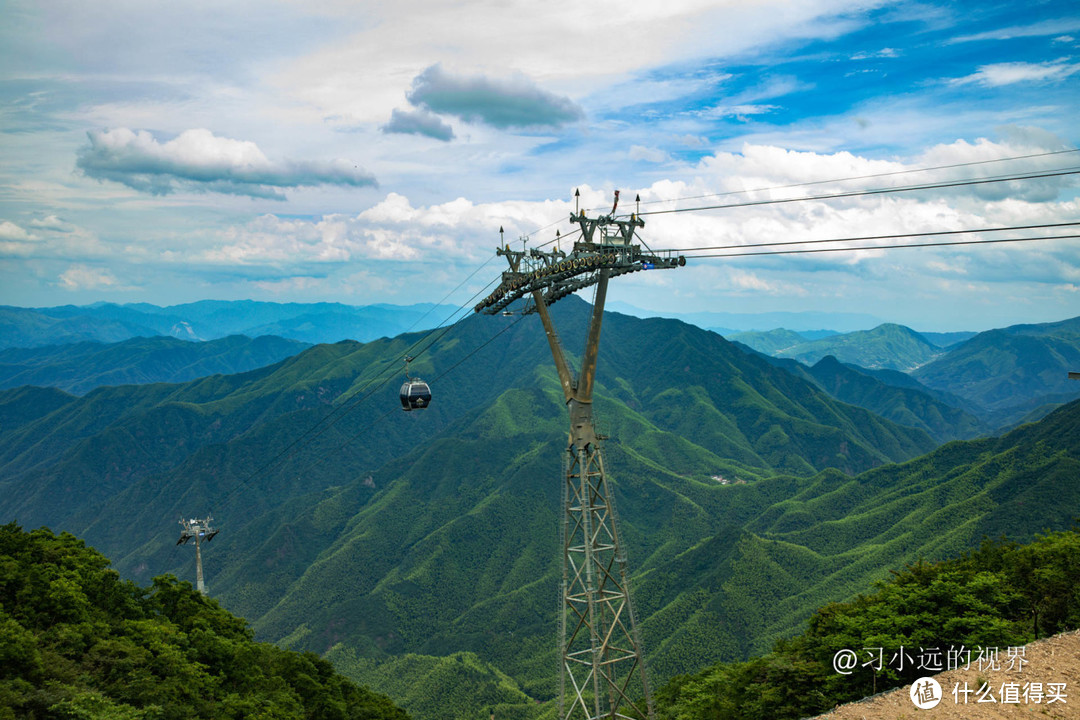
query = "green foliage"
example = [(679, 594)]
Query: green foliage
[(459, 686), (1001, 595), (78, 642)]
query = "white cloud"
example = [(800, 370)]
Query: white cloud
[(84, 277), (647, 154), (557, 43), (1010, 73), (882, 53), (739, 112), (11, 231), (418, 122), (504, 103), (1039, 29), (51, 222), (199, 161)]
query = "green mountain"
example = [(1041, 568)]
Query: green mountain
[(903, 405), (80, 367), (770, 342), (1010, 373), (889, 346), (76, 641), (682, 405), (442, 558), (893, 395)]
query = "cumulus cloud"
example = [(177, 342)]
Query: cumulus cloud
[(515, 102), (1010, 73), (84, 277), (418, 122), (199, 161), (11, 231), (52, 222)]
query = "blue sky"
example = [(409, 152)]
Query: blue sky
[(368, 152)]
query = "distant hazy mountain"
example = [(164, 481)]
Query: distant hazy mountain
[(891, 394), (1010, 373), (947, 339), (744, 322), (81, 367), (770, 342), (888, 346), (212, 319), (26, 327)]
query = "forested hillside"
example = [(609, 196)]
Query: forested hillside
[(1012, 372), (999, 596), (76, 641), (893, 395)]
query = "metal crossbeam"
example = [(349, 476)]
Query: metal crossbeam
[(607, 244)]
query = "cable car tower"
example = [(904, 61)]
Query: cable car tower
[(602, 670), (200, 531)]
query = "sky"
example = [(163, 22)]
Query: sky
[(369, 152)]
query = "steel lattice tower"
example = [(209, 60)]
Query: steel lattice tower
[(602, 668)]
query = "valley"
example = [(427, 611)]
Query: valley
[(405, 546)]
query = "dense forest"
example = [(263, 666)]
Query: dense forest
[(1001, 595), (78, 642)]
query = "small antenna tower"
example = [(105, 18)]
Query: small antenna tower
[(200, 531)]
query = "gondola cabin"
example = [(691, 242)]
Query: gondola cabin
[(415, 395)]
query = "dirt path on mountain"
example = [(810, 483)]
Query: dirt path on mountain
[(1051, 678)]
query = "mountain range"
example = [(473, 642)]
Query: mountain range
[(80, 367), (1003, 377), (415, 545), (212, 319)]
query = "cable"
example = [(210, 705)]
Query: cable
[(892, 247), (868, 237), (875, 191), (351, 438), (862, 177), (322, 426)]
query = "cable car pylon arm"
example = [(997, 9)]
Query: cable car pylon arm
[(607, 243)]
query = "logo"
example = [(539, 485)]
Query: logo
[(925, 693)]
